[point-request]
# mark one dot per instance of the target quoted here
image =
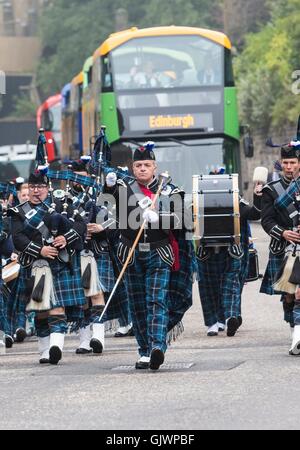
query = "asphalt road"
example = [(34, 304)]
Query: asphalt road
[(245, 382)]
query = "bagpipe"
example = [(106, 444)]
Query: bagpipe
[(58, 202)]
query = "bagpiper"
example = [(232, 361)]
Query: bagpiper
[(49, 243), (280, 219)]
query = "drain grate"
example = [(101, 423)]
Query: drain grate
[(175, 366)]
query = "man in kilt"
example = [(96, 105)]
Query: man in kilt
[(153, 309), (17, 312), (220, 275), (96, 253), (50, 279), (4, 319), (281, 225)]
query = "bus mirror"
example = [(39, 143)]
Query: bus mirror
[(248, 146)]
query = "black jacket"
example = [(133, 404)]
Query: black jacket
[(31, 243), (171, 211)]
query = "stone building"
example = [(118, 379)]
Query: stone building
[(20, 49)]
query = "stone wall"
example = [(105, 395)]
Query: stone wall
[(263, 156)]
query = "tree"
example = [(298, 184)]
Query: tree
[(265, 70), (72, 29)]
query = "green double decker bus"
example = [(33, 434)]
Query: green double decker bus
[(171, 85)]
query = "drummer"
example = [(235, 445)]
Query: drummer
[(220, 277)]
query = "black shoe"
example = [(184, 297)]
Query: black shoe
[(240, 320), (156, 359), (83, 351), (9, 342), (20, 335), (232, 326), (44, 361), (212, 333), (120, 335), (55, 355), (130, 332), (96, 346), (142, 365)]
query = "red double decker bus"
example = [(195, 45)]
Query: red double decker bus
[(49, 118)]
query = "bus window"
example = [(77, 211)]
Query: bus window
[(167, 62), (229, 77), (188, 157), (107, 82)]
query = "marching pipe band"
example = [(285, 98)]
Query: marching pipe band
[(81, 268)]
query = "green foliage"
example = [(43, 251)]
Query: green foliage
[(265, 70), (72, 29), (24, 108)]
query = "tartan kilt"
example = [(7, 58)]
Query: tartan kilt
[(3, 322), (210, 272), (68, 288), (219, 286), (273, 267), (20, 293), (11, 306), (106, 271), (119, 305), (181, 283)]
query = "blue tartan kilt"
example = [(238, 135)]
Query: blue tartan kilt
[(67, 286), (211, 275), (3, 321), (181, 283), (21, 291), (273, 267), (12, 309), (106, 271)]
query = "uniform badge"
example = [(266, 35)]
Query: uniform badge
[(166, 191)]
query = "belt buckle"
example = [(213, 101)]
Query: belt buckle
[(144, 248)]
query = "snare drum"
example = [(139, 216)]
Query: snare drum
[(10, 272), (216, 210)]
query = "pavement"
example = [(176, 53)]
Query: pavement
[(248, 381)]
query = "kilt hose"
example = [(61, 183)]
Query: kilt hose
[(219, 287), (273, 267), (148, 283)]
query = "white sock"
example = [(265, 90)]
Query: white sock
[(57, 340), (144, 359), (99, 332), (213, 329), (44, 343), (85, 338)]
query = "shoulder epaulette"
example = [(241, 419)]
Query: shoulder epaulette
[(122, 183), (267, 187), (242, 200), (176, 190)]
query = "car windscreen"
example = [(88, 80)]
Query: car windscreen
[(10, 170)]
